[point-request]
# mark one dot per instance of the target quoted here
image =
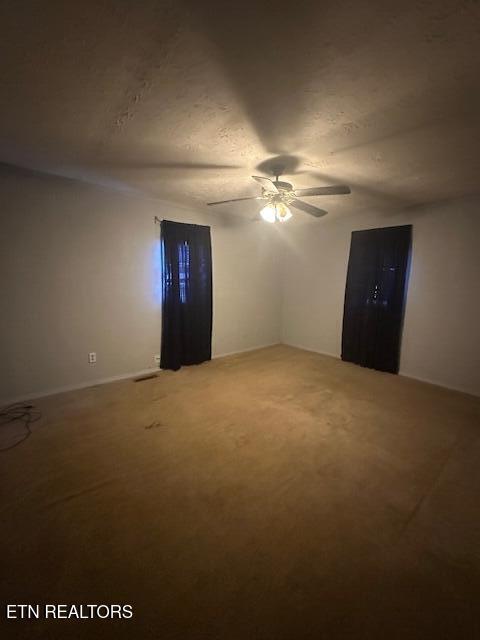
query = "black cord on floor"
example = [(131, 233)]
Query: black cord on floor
[(24, 413)]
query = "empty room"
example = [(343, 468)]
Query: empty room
[(240, 330)]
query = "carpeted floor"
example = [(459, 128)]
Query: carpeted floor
[(273, 495)]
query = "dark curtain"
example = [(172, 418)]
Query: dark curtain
[(186, 294), (375, 297)]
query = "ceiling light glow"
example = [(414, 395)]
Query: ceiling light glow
[(268, 213), (277, 211), (283, 212)]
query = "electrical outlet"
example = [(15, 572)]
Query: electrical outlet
[(156, 359), (92, 357)]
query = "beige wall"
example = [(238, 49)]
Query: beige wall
[(79, 272), (441, 338)]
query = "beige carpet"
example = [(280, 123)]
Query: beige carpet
[(277, 494)]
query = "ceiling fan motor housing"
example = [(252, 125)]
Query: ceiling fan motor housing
[(283, 186)]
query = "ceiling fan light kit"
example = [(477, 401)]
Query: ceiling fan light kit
[(280, 195), (278, 211)]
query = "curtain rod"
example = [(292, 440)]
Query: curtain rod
[(157, 220)]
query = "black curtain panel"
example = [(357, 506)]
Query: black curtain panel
[(375, 297), (186, 294)]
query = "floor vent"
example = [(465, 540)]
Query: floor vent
[(147, 377)]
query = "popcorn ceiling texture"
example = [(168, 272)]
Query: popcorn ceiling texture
[(182, 100)]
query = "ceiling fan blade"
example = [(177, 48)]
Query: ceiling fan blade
[(235, 200), (323, 191), (266, 183), (307, 208)]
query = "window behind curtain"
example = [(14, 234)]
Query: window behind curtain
[(186, 294), (183, 269)]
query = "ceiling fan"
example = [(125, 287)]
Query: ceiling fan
[(279, 196)]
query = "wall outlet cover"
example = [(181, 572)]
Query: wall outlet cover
[(156, 359), (92, 357)]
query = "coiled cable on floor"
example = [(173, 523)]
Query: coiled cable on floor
[(22, 412)]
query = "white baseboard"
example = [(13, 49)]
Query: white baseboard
[(123, 376), (436, 383), (234, 353), (135, 374), (303, 348), (75, 387)]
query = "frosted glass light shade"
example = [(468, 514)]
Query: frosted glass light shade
[(283, 212), (277, 211), (268, 213)]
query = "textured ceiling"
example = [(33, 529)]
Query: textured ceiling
[(183, 100)]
